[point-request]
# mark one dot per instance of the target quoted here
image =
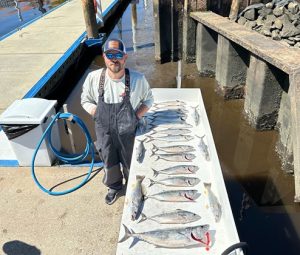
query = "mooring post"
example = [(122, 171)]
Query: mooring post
[(234, 9), (294, 93), (206, 50), (90, 18), (231, 68), (189, 28), (263, 93)]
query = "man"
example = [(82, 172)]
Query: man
[(116, 98)]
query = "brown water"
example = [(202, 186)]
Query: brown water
[(261, 195)]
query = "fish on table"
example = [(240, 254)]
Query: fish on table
[(196, 116), (171, 138), (178, 181), (203, 148), (170, 103), (170, 131), (174, 217), (173, 148), (137, 197), (140, 151), (171, 237), (178, 157), (176, 170), (214, 204), (175, 196), (163, 126)]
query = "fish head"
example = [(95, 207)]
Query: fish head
[(193, 181), (190, 156), (200, 231), (193, 169)]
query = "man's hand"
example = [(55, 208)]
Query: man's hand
[(141, 111), (93, 111)]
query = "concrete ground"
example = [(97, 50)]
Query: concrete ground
[(33, 222)]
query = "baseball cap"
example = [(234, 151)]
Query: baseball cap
[(114, 44)]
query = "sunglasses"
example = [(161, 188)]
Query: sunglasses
[(117, 55)]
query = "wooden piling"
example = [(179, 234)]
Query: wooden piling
[(189, 29), (90, 18)]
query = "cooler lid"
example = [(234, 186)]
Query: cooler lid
[(27, 111)]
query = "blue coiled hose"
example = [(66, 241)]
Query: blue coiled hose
[(75, 158)]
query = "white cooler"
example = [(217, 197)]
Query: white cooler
[(24, 123)]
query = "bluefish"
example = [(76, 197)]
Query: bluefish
[(175, 170), (173, 148), (137, 197), (170, 237), (214, 204), (176, 217), (178, 181), (176, 196)]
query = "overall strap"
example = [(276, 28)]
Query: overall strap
[(101, 82), (127, 82)]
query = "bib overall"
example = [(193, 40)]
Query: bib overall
[(115, 126)]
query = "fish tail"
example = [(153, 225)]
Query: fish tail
[(207, 185), (127, 234), (158, 157), (144, 217), (155, 172), (151, 182), (151, 139), (152, 154), (140, 178), (154, 148)]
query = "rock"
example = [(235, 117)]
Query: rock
[(250, 14), (276, 35), (266, 32), (293, 7), (269, 5), (260, 21), (241, 20), (270, 19), (278, 24), (264, 12), (250, 24), (293, 17), (290, 42), (278, 11), (288, 28)]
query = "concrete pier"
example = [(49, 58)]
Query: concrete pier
[(274, 69), (231, 68), (263, 90), (206, 50), (284, 145)]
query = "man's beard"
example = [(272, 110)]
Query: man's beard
[(115, 68)]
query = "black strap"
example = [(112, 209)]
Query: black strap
[(102, 81), (127, 82)]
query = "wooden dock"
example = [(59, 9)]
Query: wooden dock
[(27, 55)]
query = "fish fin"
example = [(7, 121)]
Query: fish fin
[(158, 157), (155, 172), (144, 217), (152, 154), (127, 234), (151, 182), (207, 185)]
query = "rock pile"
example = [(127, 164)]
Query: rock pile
[(279, 19)]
